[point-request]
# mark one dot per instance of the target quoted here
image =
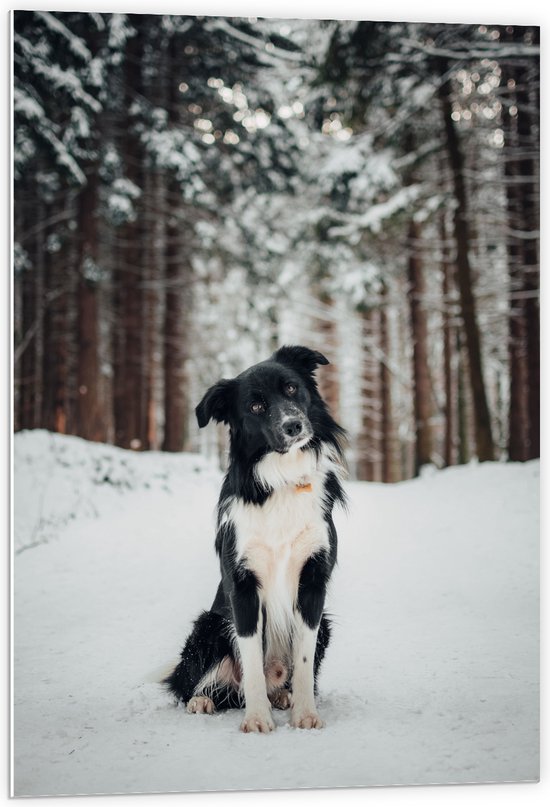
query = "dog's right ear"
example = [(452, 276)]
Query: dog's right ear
[(216, 403)]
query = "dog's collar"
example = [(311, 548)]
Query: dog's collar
[(303, 486)]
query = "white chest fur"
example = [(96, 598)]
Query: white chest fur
[(275, 539)]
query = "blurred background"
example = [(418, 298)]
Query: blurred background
[(192, 192)]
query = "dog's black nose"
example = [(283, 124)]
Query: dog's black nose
[(292, 428)]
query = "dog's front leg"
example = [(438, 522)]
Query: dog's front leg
[(248, 619), (311, 599), (304, 713)]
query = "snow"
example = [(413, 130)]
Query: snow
[(352, 158), (265, 54), (80, 122), (23, 103), (119, 201), (120, 30), (31, 109), (56, 76), (76, 44), (120, 208), (431, 677), (375, 216)]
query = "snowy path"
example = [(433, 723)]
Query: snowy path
[(436, 681)]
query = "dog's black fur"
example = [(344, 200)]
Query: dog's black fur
[(272, 408)]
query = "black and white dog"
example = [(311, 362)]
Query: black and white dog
[(263, 640)]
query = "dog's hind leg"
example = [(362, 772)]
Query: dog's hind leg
[(207, 674)]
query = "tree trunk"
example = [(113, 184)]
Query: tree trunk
[(155, 268), (462, 405), (387, 439), (55, 398), (177, 293), (117, 350), (90, 421), (449, 438), (518, 422), (522, 183), (132, 429), (482, 418), (130, 413), (176, 284), (27, 378), (329, 384), (368, 448), (528, 168), (28, 357), (419, 330)]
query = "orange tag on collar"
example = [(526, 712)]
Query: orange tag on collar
[(307, 488)]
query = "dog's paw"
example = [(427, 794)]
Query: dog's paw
[(281, 699), (200, 704), (306, 720), (261, 723)]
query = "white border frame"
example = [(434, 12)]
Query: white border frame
[(520, 13)]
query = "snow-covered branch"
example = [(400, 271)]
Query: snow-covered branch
[(76, 43), (477, 51)]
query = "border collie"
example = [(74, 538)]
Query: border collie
[(263, 640)]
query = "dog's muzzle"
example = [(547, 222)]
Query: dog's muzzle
[(295, 431)]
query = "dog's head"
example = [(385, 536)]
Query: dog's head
[(269, 407)]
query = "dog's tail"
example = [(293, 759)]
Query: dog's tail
[(160, 674)]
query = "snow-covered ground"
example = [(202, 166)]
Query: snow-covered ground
[(432, 675)]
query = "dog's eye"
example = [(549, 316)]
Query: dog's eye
[(290, 389), (257, 408)]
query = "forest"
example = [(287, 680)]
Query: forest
[(192, 192)]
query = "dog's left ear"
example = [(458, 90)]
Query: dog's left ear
[(300, 358), (216, 403)]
